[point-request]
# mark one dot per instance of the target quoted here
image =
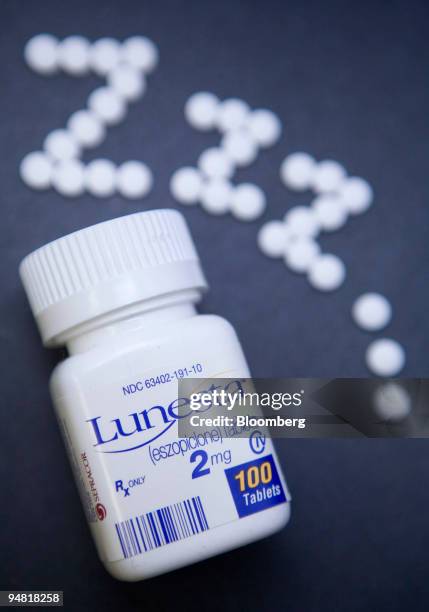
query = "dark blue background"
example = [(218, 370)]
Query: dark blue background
[(349, 81), (241, 497)]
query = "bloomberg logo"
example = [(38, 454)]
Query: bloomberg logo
[(135, 430)]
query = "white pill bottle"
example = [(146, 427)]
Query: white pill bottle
[(121, 297)]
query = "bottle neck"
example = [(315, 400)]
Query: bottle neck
[(136, 321)]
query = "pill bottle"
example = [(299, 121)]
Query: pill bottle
[(121, 297)]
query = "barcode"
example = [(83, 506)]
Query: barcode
[(160, 527)]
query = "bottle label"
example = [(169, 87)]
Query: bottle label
[(141, 485)]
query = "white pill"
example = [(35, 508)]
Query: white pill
[(128, 82), (330, 211), (216, 196), (357, 195), (36, 170), (41, 53), (107, 105), (104, 55), (372, 311), (134, 179), (232, 114), (392, 402), (215, 163), (201, 110), (86, 128), (297, 171), (240, 147), (73, 55), (385, 357), (326, 273), (68, 177), (248, 202), (265, 127), (186, 185), (273, 238), (302, 221), (140, 52), (300, 254), (61, 144), (100, 177), (328, 176)]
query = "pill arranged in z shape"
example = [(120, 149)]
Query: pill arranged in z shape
[(124, 65)]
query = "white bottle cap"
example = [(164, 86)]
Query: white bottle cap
[(107, 266)]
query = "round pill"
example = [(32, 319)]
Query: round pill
[(232, 114), (215, 163), (134, 179), (61, 144), (302, 221), (328, 176), (216, 196), (247, 202), (372, 311), (73, 55), (41, 53), (36, 170), (273, 238), (86, 128), (140, 52), (357, 195), (331, 212), (265, 127), (100, 177), (297, 170), (68, 177), (326, 273), (240, 147), (392, 402), (186, 185), (201, 110), (104, 55), (128, 82), (107, 105), (300, 254), (385, 357)]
